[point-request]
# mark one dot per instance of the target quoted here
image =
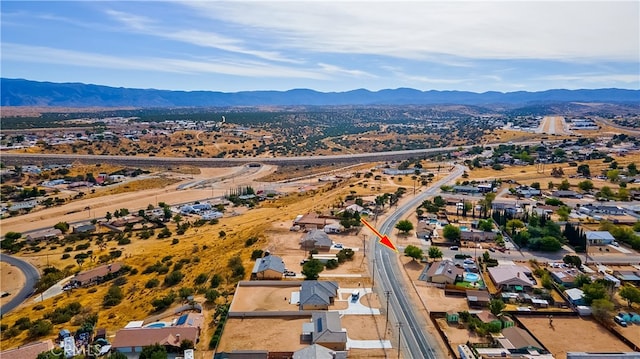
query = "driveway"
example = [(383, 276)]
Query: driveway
[(368, 344), (356, 308)]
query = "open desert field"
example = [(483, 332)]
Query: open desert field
[(586, 335)]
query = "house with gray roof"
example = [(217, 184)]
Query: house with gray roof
[(444, 272), (325, 329), (317, 294), (316, 351), (269, 267), (316, 239), (519, 341), (599, 238)]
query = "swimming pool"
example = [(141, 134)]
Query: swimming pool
[(471, 277), (157, 325), (464, 228)]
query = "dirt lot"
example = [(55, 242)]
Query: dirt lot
[(585, 335), (263, 299), (457, 335), (273, 334)]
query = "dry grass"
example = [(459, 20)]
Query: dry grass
[(134, 186)]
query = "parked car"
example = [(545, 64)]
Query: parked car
[(454, 248), (289, 273), (620, 321), (338, 245), (491, 249)]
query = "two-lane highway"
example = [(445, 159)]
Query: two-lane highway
[(416, 343), (31, 275)]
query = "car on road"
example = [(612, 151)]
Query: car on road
[(454, 248), (491, 249)]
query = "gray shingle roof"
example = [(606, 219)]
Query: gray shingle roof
[(271, 262), (317, 292), (327, 328), (318, 237)]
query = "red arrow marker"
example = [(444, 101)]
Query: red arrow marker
[(384, 240)]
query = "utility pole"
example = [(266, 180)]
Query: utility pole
[(387, 293), (373, 273), (399, 337), (364, 245)]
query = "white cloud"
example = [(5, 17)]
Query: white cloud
[(420, 30), (631, 79), (48, 55), (337, 70)]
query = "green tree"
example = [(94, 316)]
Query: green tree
[(451, 232), (13, 236), (173, 278), (580, 280), (564, 185), (108, 216), (631, 294), (435, 252), (593, 291), (312, 269), (613, 175), (550, 244), (632, 170), (606, 192), (485, 225), (405, 226), (62, 226), (413, 252), (585, 185), (563, 213), (155, 351), (601, 310), (513, 225), (496, 306), (116, 355), (584, 170)]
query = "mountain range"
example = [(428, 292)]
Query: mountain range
[(20, 92)]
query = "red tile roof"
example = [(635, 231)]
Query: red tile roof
[(139, 337)]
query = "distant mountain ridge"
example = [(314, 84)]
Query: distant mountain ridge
[(20, 92)]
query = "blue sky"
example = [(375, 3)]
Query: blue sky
[(325, 45)]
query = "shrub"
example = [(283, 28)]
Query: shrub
[(66, 255), (113, 297), (38, 307), (250, 241), (331, 264), (23, 323), (216, 280), (152, 283), (173, 278), (40, 328), (201, 278), (175, 241)]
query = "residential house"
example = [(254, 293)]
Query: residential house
[(527, 192), (444, 272), (84, 228), (96, 275), (519, 341), (317, 295), (326, 329), (592, 209), (131, 340), (628, 276), (477, 236), (564, 276), (575, 296), (316, 351), (28, 351), (511, 277), (316, 239), (466, 189), (269, 267), (424, 230), (246, 354), (28, 204), (44, 234), (599, 238), (566, 194), (310, 221), (487, 317)]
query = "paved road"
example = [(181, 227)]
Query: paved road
[(9, 158), (387, 271), (32, 276)]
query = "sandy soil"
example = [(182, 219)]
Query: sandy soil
[(248, 299), (273, 334), (11, 280), (586, 335), (457, 336)]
